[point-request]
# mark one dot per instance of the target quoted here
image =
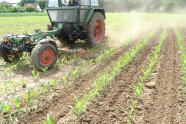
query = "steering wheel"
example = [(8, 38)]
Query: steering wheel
[(66, 3)]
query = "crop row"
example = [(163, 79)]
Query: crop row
[(146, 74), (106, 78), (182, 54), (32, 96)]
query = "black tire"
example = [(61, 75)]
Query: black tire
[(9, 55), (44, 55), (96, 18)]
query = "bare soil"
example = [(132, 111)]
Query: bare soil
[(163, 104), (59, 104)]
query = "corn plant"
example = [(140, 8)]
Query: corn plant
[(90, 61), (78, 109), (5, 87), (44, 69), (63, 60), (35, 92), (129, 114), (53, 83), (44, 90), (5, 72), (64, 81), (1, 108), (153, 60), (16, 100), (35, 74), (139, 89), (74, 74), (14, 85), (15, 66), (23, 61), (102, 56), (28, 98), (22, 83), (49, 119), (9, 68), (104, 79), (7, 108), (56, 65), (182, 54)]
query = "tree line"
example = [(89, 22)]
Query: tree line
[(110, 5), (143, 5), (7, 7)]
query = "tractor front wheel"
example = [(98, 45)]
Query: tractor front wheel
[(9, 55), (96, 29), (44, 55)]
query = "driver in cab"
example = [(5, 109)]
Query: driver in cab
[(74, 2)]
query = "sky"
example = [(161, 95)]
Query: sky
[(12, 1)]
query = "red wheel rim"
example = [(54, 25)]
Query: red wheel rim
[(9, 54), (47, 57), (98, 30)]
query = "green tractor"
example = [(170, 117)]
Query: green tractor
[(70, 21)]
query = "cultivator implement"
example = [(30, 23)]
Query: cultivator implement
[(84, 21)]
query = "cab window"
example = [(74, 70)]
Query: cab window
[(53, 3), (85, 2)]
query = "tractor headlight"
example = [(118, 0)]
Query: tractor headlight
[(6, 41)]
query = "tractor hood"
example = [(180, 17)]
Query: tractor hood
[(15, 40)]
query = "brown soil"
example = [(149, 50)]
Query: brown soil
[(163, 104), (108, 107), (59, 104)]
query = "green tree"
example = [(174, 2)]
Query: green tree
[(42, 3), (22, 2), (30, 9)]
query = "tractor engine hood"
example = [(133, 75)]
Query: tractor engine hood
[(15, 40)]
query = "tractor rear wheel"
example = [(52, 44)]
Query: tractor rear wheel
[(96, 29), (44, 55), (9, 55)]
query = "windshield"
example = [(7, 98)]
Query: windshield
[(63, 15), (53, 3)]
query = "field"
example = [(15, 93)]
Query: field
[(137, 76)]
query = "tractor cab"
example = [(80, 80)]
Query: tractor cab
[(70, 11)]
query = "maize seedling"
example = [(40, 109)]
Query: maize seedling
[(49, 119), (16, 100), (7, 108)]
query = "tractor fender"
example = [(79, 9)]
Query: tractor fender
[(48, 41), (92, 11)]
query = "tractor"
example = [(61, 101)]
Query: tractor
[(71, 20)]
